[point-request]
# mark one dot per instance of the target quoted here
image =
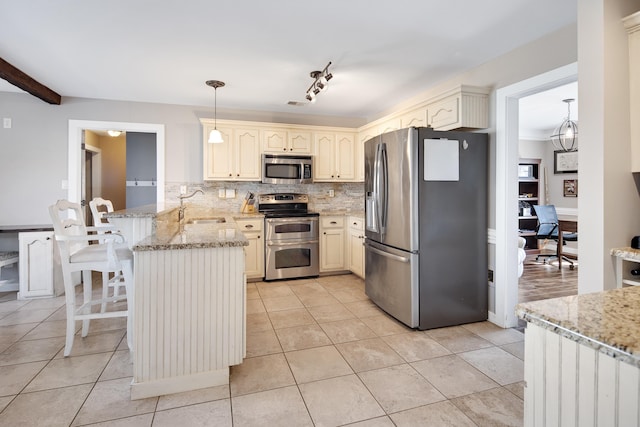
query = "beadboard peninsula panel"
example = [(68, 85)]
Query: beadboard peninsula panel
[(188, 319), (571, 384)]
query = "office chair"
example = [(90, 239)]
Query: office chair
[(549, 229)]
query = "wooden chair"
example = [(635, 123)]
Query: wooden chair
[(99, 207), (110, 254)]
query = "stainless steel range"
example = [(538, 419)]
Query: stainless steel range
[(291, 242)]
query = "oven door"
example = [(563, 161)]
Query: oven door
[(285, 229), (286, 260)]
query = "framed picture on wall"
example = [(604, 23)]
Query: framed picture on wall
[(570, 188), (565, 162)]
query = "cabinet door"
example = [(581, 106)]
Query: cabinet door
[(345, 157), (299, 142), (356, 253), (274, 141), (324, 165), (254, 256), (219, 159), (247, 154), (36, 264), (416, 118), (332, 250)]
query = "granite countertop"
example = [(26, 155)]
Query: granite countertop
[(627, 253), (194, 236), (142, 211), (607, 321)]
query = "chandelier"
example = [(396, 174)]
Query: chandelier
[(565, 137)]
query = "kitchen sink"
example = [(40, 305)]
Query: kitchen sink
[(217, 220)]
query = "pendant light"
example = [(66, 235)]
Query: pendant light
[(215, 137), (565, 137)]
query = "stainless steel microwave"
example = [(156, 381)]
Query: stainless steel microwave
[(279, 169)]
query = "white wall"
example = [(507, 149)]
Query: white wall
[(609, 203)]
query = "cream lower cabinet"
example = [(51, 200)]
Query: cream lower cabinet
[(356, 246), (332, 244), (36, 265), (254, 253), (235, 159), (335, 157)]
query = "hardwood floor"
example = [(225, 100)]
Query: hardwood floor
[(542, 281)]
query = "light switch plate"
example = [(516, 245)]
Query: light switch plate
[(230, 193), (6, 123), (221, 193), (183, 189)]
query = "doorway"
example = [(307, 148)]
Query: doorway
[(507, 135), (76, 158)]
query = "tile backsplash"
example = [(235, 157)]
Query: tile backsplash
[(347, 196)]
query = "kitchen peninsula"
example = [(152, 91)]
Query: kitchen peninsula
[(582, 359), (189, 301)]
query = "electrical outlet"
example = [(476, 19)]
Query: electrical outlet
[(490, 276), (230, 193), (6, 123), (221, 193), (183, 189), (332, 193)]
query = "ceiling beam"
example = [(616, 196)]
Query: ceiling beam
[(26, 83)]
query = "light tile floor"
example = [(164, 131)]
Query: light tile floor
[(319, 353)]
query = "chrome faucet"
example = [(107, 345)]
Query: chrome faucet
[(182, 206)]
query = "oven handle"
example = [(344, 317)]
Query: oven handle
[(278, 243), (298, 219)]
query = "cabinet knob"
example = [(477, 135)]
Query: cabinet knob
[(237, 174), (285, 148), (324, 232), (230, 174)]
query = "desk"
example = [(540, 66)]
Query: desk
[(565, 225)]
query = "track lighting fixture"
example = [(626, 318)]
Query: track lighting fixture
[(215, 137), (320, 80), (565, 137)]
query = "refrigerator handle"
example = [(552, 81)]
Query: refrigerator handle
[(387, 254), (383, 188)]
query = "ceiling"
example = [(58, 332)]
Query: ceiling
[(163, 51), (540, 114)]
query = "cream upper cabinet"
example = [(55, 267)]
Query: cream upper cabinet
[(335, 156), (632, 23), (389, 126), (465, 107), (235, 159), (416, 118), (286, 141)]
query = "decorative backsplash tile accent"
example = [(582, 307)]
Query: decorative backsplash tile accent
[(347, 196)]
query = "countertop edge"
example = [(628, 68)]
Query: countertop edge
[(616, 353)]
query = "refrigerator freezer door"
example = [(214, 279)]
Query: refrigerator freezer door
[(392, 281), (391, 188)]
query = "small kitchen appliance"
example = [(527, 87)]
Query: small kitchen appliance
[(280, 169)]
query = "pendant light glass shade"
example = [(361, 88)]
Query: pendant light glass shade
[(215, 137)]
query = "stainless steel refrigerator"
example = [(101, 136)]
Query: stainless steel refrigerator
[(426, 226)]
